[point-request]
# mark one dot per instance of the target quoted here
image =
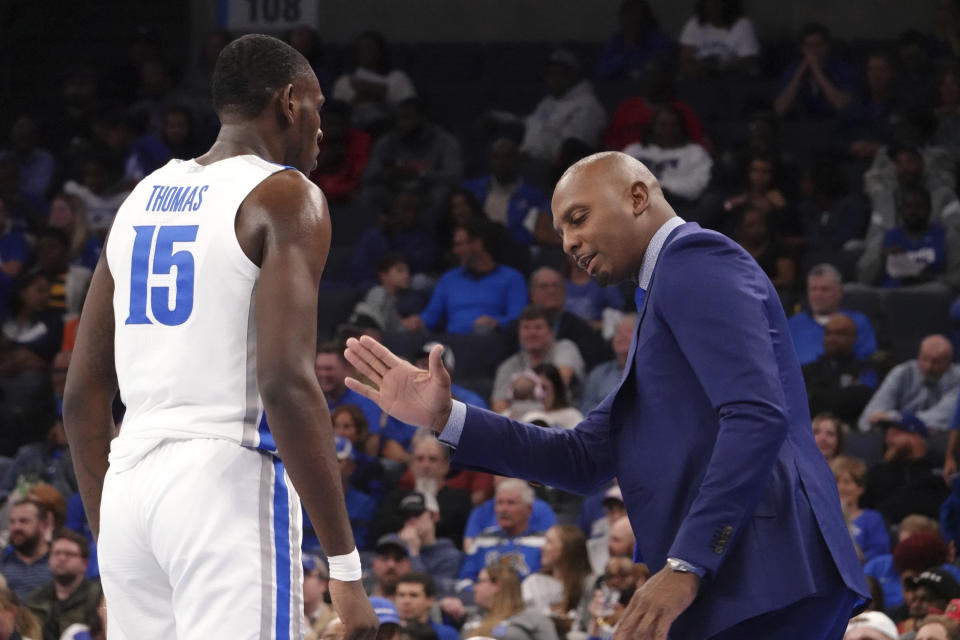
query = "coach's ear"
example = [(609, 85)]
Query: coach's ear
[(285, 106)]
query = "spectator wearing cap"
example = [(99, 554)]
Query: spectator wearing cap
[(391, 559), (512, 539), (484, 516), (839, 381), (926, 388), (933, 590), (428, 553), (548, 290), (388, 616), (599, 534), (570, 110), (429, 466), (316, 599), (866, 525), (509, 200), (871, 625), (538, 345), (416, 593), (937, 627), (904, 482), (926, 550), (397, 435)]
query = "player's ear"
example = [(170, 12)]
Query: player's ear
[(285, 105)]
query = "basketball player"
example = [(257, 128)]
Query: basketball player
[(202, 310)]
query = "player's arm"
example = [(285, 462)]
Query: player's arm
[(295, 242), (90, 390)]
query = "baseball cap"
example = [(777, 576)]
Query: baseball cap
[(906, 421), (874, 620), (391, 540), (416, 503), (312, 563), (344, 448), (449, 362), (939, 581), (613, 497), (386, 611)]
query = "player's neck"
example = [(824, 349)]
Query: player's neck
[(238, 140)]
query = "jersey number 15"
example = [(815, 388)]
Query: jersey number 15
[(164, 259)]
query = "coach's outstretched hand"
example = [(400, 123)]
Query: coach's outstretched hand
[(411, 395), (353, 608)]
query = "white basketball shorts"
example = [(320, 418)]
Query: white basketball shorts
[(200, 540)]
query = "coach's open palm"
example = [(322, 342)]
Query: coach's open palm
[(409, 394), (353, 608)]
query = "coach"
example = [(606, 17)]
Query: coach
[(707, 432)]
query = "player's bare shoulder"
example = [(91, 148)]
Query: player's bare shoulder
[(286, 206)]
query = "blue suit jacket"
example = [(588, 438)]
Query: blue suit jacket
[(709, 436)]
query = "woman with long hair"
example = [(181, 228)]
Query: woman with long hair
[(16, 621), (556, 398), (561, 589), (69, 213), (497, 594)]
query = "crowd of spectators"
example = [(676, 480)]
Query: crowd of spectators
[(833, 163)]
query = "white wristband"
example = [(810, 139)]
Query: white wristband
[(345, 568)]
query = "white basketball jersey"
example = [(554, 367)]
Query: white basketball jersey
[(184, 294)]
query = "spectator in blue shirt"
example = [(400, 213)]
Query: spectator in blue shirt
[(824, 298), (638, 44), (484, 516), (360, 507), (25, 563), (400, 230), (817, 85), (868, 528), (916, 252), (416, 592), (478, 296), (331, 369), (512, 540), (509, 200)]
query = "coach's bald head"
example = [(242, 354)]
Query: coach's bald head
[(606, 208)]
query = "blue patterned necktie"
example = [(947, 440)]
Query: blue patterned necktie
[(638, 297)]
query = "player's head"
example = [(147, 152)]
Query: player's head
[(261, 79), (607, 207)]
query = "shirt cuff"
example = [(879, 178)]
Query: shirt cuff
[(688, 567), (452, 431)]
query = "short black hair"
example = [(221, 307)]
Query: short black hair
[(419, 577), (815, 28), (74, 537), (250, 70), (536, 312), (478, 229), (55, 233), (389, 261)]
